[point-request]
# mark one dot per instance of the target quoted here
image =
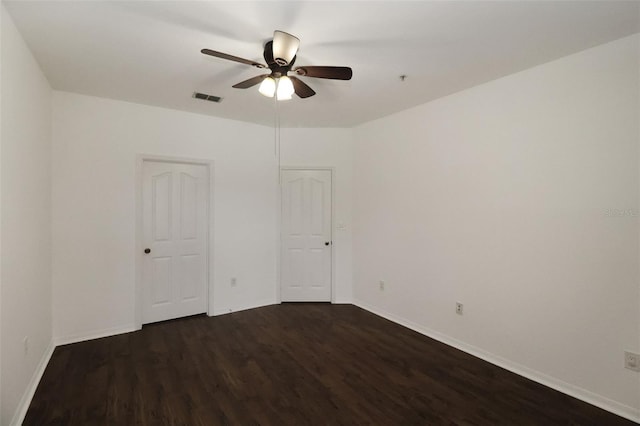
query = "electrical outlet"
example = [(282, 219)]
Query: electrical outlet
[(632, 361), (25, 344), (381, 283), (234, 282), (459, 308)]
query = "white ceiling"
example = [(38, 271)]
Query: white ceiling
[(149, 51)]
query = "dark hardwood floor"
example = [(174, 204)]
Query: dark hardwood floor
[(290, 364)]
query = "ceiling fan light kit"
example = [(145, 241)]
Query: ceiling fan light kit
[(268, 87), (285, 89), (280, 55)]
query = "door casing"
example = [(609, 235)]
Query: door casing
[(333, 207)]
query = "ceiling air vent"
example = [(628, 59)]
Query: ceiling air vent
[(205, 97)]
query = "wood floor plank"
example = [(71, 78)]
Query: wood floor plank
[(290, 364)]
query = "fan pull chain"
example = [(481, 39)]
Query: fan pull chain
[(277, 132)]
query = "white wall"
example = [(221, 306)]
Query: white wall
[(95, 143), (25, 226), (500, 197), (329, 148)]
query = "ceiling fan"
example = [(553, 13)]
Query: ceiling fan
[(280, 55)]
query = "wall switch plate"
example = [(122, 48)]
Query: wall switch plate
[(234, 281), (381, 284), (459, 308), (632, 361)]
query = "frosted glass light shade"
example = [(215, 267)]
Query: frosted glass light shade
[(268, 87), (285, 47), (285, 88)]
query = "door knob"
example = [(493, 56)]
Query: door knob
[(326, 243), (147, 250)]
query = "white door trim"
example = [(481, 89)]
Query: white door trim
[(333, 207), (140, 159)]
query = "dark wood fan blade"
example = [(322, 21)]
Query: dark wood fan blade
[(250, 82), (334, 73), (232, 58), (301, 88)]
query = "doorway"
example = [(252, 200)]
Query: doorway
[(306, 239), (174, 240)]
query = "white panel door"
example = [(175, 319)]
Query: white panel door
[(175, 199), (306, 236)]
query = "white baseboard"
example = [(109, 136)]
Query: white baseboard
[(243, 307), (600, 401), (25, 401), (95, 334)]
